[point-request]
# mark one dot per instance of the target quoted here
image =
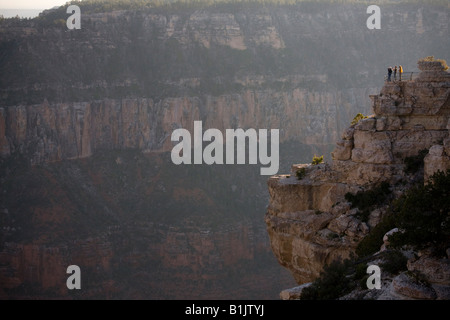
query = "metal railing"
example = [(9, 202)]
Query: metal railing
[(404, 76)]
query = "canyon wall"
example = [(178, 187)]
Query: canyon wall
[(54, 132), (127, 78), (78, 107)]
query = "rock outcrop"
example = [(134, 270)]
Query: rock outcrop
[(426, 278), (309, 221)]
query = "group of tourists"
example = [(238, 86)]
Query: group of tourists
[(395, 70)]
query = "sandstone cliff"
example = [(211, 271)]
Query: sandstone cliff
[(310, 222), (200, 48), (75, 106), (53, 132), (230, 65)]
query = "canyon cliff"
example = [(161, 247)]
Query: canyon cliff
[(127, 78), (53, 132), (311, 221), (86, 118)]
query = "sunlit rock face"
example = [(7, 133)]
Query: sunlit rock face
[(309, 221)]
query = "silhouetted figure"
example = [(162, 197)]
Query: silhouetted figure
[(389, 73), (395, 73)]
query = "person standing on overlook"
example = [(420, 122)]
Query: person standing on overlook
[(400, 71), (395, 73), (389, 73)]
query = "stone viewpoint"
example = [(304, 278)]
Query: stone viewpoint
[(309, 221)]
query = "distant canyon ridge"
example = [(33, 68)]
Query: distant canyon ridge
[(305, 69)]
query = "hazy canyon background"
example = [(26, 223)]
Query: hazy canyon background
[(85, 123)]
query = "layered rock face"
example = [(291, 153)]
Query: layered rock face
[(60, 131), (309, 221), (127, 79)]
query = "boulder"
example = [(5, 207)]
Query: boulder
[(387, 235), (436, 160), (407, 286), (343, 150), (442, 292), (434, 269), (366, 124), (293, 293), (348, 133)]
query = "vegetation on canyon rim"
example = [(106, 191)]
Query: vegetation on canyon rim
[(93, 6), (300, 173), (432, 59), (317, 160), (422, 215), (357, 118), (366, 201)]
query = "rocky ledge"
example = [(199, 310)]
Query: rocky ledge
[(309, 221)]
